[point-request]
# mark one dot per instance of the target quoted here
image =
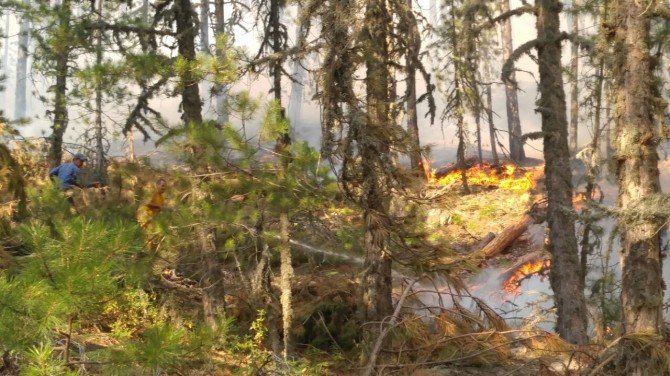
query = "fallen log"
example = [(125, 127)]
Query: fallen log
[(505, 238)]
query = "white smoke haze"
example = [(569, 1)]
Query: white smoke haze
[(306, 120)]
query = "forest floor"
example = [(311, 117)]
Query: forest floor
[(452, 340), (458, 225)]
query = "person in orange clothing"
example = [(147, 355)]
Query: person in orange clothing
[(147, 212)]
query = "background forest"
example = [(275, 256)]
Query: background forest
[(348, 241)]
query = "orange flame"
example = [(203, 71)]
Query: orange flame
[(513, 284), (578, 199), (507, 177)]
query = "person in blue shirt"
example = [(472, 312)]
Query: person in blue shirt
[(68, 173)]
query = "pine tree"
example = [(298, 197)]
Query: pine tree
[(492, 129), (60, 48), (220, 90), (574, 77), (513, 122), (376, 281), (185, 19), (412, 56), (565, 277), (20, 104), (635, 142)]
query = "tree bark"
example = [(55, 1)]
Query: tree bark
[(459, 107), (585, 244), (5, 61), (100, 162), (213, 292), (478, 125), (565, 276), (204, 25), (636, 161), (20, 106), (411, 57), (144, 10), (261, 286), (505, 238), (574, 81), (283, 149), (299, 75), (492, 129), (376, 281), (185, 18), (275, 69), (62, 55), (513, 122), (219, 88), (609, 148)]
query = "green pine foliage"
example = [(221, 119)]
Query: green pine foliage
[(73, 267)]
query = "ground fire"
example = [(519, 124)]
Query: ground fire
[(505, 176), (512, 285)]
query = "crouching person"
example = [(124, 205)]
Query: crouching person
[(68, 176)]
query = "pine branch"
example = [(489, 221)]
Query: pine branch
[(143, 105), (526, 8), (297, 52), (139, 30)]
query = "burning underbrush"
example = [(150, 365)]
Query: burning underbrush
[(503, 176), (512, 284), (500, 195)]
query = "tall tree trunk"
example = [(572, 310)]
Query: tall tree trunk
[(565, 276), (299, 80), (213, 290), (261, 286), (297, 88), (283, 145), (376, 279), (62, 55), (586, 245), (220, 90), (609, 145), (635, 143), (5, 61), (185, 18), (411, 57), (276, 65), (210, 267), (478, 124), (574, 72), (460, 151), (492, 129), (100, 167), (286, 263), (204, 25), (513, 122), (22, 66), (144, 11), (459, 107)]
